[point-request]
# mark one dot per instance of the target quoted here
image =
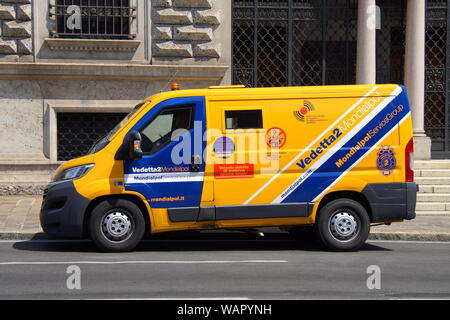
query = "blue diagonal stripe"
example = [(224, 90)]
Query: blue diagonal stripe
[(326, 174)]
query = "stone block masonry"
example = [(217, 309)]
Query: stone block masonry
[(15, 29), (185, 29)]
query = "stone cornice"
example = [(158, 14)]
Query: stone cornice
[(110, 71)]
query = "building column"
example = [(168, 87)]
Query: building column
[(366, 52), (415, 74)]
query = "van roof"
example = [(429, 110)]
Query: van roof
[(241, 92)]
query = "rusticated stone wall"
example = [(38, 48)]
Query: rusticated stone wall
[(15, 30), (185, 29)]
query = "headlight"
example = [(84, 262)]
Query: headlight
[(74, 173)]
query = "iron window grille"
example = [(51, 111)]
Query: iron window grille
[(437, 77), (391, 41), (93, 19), (294, 42), (78, 132)]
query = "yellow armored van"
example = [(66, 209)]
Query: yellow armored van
[(336, 158)]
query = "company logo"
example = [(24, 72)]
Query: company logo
[(164, 169), (386, 161), (224, 147), (276, 138), (304, 111)]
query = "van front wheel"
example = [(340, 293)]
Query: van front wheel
[(343, 225), (116, 225)]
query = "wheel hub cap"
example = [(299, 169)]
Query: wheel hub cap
[(116, 226), (343, 226)]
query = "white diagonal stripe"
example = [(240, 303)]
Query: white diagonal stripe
[(338, 146), (310, 146), (47, 263), (362, 158)]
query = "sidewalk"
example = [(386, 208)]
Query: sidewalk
[(19, 219)]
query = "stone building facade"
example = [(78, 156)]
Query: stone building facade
[(16, 37), (64, 82), (53, 82)]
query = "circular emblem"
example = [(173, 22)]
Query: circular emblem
[(304, 111), (224, 147), (276, 138), (386, 162)]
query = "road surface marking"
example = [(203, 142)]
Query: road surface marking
[(218, 240), (181, 298), (23, 263)]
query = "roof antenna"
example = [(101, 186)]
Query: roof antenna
[(169, 82)]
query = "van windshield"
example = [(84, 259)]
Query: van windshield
[(103, 142)]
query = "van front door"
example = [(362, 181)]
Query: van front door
[(171, 172)]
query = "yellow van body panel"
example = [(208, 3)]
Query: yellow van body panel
[(275, 167)]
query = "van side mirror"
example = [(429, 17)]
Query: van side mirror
[(133, 145)]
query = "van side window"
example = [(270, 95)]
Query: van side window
[(166, 127), (243, 119)]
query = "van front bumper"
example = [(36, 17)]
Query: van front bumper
[(63, 210)]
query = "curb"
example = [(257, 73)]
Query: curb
[(24, 236), (410, 236), (387, 236)]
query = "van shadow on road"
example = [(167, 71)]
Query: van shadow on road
[(194, 241)]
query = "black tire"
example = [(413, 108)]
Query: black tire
[(129, 213), (331, 226)]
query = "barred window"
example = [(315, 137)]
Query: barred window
[(93, 19), (78, 132), (391, 41), (294, 42)]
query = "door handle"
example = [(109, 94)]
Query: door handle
[(196, 163)]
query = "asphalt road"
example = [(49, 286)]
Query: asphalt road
[(229, 266)]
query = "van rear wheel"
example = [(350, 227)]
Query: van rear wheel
[(343, 225), (116, 225)]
